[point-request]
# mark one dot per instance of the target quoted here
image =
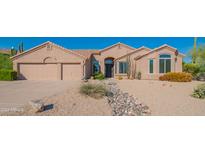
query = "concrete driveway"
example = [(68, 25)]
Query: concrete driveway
[(19, 93)]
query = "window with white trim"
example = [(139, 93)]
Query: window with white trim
[(122, 67), (164, 63)]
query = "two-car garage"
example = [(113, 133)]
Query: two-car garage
[(49, 62)]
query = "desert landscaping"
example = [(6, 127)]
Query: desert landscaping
[(150, 97), (166, 98)]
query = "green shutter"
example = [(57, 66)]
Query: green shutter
[(151, 69), (120, 67), (161, 66), (126, 67)]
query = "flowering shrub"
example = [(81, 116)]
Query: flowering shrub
[(119, 77), (176, 77)]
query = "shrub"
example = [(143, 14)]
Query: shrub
[(93, 90), (176, 77), (200, 76), (99, 76), (191, 68), (5, 62), (199, 92), (202, 68), (8, 75), (119, 77), (139, 75)]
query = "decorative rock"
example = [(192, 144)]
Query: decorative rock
[(37, 105), (123, 104), (112, 83)]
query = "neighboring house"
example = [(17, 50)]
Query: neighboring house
[(5, 51), (49, 61)]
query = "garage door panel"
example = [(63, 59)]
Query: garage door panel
[(38, 71), (71, 72)]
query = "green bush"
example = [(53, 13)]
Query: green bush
[(199, 92), (93, 90), (139, 75), (5, 62), (202, 69), (176, 77), (194, 69), (99, 76), (8, 75)]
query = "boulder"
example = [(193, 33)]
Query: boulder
[(37, 105)]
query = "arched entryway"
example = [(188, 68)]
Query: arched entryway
[(109, 67)]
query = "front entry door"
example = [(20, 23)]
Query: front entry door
[(108, 70)]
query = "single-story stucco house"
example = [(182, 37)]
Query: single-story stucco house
[(50, 61)]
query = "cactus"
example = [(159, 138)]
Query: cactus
[(129, 73), (21, 48)]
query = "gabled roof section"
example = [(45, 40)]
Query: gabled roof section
[(168, 46), (137, 50), (77, 54), (159, 48), (119, 43), (86, 52), (42, 45)]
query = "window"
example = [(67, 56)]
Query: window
[(164, 63), (123, 67), (151, 66), (109, 61), (95, 67)]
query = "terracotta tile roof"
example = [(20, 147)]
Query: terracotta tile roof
[(86, 52), (5, 51)]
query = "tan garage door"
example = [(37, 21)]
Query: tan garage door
[(38, 71), (71, 72)]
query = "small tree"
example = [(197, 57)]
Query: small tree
[(13, 51), (134, 70), (128, 67)]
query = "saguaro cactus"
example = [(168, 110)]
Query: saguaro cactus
[(21, 48), (194, 54)]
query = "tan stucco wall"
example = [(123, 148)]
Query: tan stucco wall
[(113, 52), (88, 68), (52, 55), (132, 61), (143, 64), (59, 56)]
